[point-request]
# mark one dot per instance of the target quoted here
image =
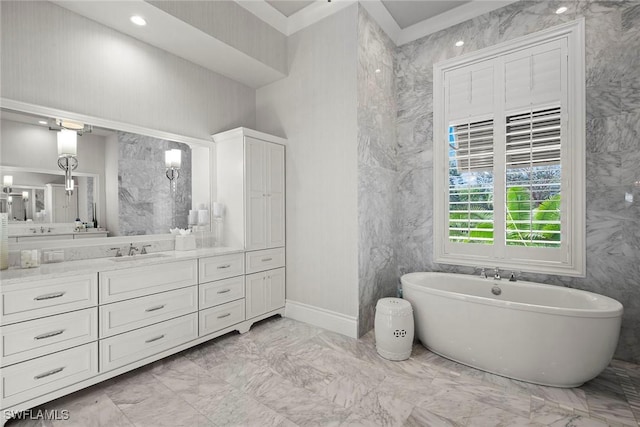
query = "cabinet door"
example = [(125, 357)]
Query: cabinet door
[(275, 289), (255, 295), (264, 292), (275, 195), (256, 189)]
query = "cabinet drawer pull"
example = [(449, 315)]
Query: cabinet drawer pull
[(266, 259), (224, 291), (157, 307), (224, 315), (220, 267), (49, 296), (46, 374), (159, 337), (48, 335)]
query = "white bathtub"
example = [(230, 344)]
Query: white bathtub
[(532, 332)]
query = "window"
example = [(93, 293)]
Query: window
[(509, 154)]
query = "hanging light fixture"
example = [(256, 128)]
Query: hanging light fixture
[(7, 182), (173, 161), (67, 160)]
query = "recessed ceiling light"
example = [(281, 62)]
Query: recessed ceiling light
[(561, 10), (43, 122), (459, 43), (378, 70), (138, 20)]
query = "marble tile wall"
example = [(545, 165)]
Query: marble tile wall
[(613, 143), (146, 205), (376, 169)]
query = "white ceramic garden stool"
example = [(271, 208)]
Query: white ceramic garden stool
[(394, 328)]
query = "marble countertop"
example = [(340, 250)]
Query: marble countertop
[(57, 233), (14, 276)]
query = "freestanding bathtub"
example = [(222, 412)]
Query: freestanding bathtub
[(532, 332)]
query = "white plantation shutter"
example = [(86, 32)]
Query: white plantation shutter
[(533, 76), (470, 196), (509, 161), (533, 175), (470, 91)]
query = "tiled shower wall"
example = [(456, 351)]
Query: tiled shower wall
[(146, 205), (377, 171), (612, 144)]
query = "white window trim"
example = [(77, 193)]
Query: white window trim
[(574, 227)]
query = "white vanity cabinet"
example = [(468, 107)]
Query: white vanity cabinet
[(49, 333), (265, 292), (254, 194), (62, 334)]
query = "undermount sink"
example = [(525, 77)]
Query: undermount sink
[(137, 257)]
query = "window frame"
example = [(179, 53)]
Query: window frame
[(573, 220)]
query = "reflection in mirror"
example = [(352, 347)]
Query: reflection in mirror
[(121, 179)]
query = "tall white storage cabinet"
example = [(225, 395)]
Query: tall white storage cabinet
[(250, 173)]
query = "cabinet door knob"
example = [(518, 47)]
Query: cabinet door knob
[(220, 267), (157, 307), (224, 291), (266, 259), (224, 315)]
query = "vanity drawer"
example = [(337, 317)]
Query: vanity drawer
[(136, 313), (135, 345), (221, 267), (135, 282), (220, 292), (265, 260), (220, 317), (47, 297), (35, 338), (45, 374)]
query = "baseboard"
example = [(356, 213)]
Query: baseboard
[(327, 319)]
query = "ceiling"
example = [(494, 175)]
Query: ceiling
[(288, 8), (407, 13), (403, 21)]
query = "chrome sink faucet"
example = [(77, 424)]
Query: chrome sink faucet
[(496, 275), (132, 249)]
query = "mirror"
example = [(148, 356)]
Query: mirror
[(123, 179)]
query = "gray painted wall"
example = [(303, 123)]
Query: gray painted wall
[(315, 109), (613, 143), (56, 58), (377, 169)]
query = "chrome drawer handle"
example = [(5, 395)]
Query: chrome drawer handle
[(49, 296), (220, 267), (159, 337), (224, 291), (224, 315), (266, 259), (157, 307), (51, 372), (48, 335)]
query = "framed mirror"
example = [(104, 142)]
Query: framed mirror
[(128, 180)]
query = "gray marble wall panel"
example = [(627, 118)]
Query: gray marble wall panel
[(377, 173), (613, 143), (146, 204)]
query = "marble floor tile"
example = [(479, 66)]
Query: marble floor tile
[(285, 373), (421, 417)]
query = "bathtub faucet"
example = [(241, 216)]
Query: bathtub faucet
[(496, 275)]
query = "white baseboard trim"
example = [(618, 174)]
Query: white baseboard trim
[(327, 319)]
